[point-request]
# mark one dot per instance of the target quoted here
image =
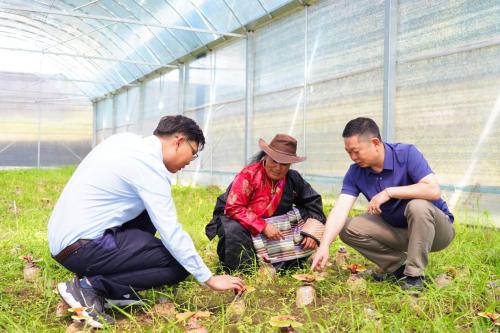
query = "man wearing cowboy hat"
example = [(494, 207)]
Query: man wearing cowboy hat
[(266, 188)]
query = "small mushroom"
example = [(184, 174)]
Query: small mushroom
[(341, 257), (31, 271), (80, 314), (285, 323), (306, 294), (355, 282)]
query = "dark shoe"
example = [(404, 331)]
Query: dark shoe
[(76, 296), (412, 283), (392, 277)]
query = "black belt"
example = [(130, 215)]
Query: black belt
[(61, 256)]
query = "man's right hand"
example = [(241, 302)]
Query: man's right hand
[(320, 259), (272, 232), (226, 282)]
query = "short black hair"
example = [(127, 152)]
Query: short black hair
[(169, 125), (363, 127)]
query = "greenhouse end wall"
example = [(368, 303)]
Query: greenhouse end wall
[(311, 71)]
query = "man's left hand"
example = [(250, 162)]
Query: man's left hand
[(378, 200), (309, 243)]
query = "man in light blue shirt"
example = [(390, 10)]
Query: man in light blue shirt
[(103, 225)]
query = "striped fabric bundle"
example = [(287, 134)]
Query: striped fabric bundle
[(289, 248)]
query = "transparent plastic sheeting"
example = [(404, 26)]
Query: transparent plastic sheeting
[(317, 68), (43, 128), (145, 47)]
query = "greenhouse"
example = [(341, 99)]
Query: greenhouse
[(75, 75)]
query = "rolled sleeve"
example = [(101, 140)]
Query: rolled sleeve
[(418, 167)]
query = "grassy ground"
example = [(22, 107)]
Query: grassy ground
[(27, 198)]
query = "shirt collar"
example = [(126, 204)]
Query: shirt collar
[(154, 142), (388, 158)]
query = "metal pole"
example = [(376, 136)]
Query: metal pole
[(304, 99), (390, 37), (249, 85), (119, 20), (39, 134), (94, 124)]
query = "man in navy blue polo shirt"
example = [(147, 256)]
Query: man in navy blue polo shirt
[(406, 217)]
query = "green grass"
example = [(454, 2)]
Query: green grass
[(30, 307)]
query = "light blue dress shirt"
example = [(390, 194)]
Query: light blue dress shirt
[(115, 182)]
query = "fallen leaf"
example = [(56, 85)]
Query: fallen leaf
[(202, 314), (490, 315), (284, 321), (443, 280), (184, 315)]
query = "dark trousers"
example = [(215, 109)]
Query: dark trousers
[(126, 259)]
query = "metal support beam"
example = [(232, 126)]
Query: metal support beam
[(304, 93), (390, 37), (119, 20), (249, 83), (73, 55), (94, 124)]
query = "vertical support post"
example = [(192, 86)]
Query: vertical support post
[(390, 37), (113, 114), (140, 115), (94, 124), (181, 104), (304, 97), (249, 89), (39, 133)]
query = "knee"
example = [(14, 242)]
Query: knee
[(349, 232), (418, 206)]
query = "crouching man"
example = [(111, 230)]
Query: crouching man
[(406, 217), (104, 223)]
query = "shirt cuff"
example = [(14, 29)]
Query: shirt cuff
[(203, 275)]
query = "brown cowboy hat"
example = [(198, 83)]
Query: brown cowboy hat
[(282, 149)]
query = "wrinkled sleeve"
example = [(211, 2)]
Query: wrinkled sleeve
[(237, 205), (155, 193), (308, 201)]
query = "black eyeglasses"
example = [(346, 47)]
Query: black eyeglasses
[(194, 152)]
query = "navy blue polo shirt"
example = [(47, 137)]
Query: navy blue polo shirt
[(403, 165)]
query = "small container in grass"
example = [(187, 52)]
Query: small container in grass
[(285, 323), (306, 294), (237, 308), (341, 257), (31, 271), (355, 282)]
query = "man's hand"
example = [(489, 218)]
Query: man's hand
[(272, 232), (378, 200), (320, 259), (309, 243), (225, 282)]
